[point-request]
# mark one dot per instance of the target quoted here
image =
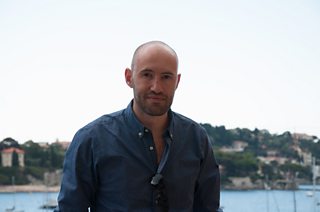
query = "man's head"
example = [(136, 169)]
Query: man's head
[(154, 78)]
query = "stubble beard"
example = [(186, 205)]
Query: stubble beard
[(153, 109)]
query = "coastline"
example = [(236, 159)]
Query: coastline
[(28, 188), (43, 188)]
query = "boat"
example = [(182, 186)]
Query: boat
[(50, 204), (13, 208), (315, 172), (10, 209)]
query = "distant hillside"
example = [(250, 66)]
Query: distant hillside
[(251, 156), (261, 155)]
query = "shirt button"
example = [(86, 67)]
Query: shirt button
[(140, 134), (151, 148), (146, 130)]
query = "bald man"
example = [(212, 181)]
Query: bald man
[(145, 157)]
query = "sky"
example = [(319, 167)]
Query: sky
[(243, 63)]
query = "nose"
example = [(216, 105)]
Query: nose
[(156, 85)]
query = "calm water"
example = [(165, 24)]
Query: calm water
[(28, 202), (268, 201), (231, 201)]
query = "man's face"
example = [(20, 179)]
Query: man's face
[(154, 80)]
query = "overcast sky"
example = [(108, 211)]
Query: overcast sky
[(248, 64)]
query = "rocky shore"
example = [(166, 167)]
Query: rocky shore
[(28, 188)]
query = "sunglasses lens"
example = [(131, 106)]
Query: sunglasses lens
[(161, 199)]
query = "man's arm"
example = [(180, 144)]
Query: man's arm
[(207, 196), (78, 181)]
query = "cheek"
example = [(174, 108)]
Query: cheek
[(141, 85), (138, 87), (171, 87)]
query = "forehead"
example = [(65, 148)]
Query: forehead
[(154, 56)]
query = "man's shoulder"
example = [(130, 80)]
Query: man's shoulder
[(184, 121), (106, 119), (192, 131), (103, 121), (97, 128)]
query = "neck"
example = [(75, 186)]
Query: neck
[(154, 123)]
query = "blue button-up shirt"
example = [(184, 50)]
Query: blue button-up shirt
[(111, 161)]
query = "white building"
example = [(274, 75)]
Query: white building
[(6, 156)]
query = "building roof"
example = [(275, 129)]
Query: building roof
[(63, 144), (13, 149)]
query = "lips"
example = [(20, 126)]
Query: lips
[(156, 97)]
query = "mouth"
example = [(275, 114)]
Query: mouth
[(156, 97)]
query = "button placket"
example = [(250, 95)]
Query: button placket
[(147, 139), (151, 148)]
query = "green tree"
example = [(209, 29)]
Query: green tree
[(34, 154), (303, 172), (15, 159), (220, 135), (238, 164), (56, 156)]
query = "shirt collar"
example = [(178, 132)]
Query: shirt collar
[(139, 128)]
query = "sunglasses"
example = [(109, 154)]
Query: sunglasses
[(161, 198)]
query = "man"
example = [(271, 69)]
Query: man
[(145, 157)]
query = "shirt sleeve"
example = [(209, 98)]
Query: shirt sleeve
[(78, 181), (207, 195)]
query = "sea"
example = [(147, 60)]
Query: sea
[(231, 201)]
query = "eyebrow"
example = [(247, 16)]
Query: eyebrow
[(146, 70), (162, 73)]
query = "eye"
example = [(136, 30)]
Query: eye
[(147, 74), (167, 76)]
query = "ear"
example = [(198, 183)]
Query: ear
[(128, 77), (178, 80)]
